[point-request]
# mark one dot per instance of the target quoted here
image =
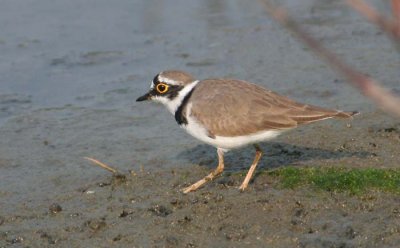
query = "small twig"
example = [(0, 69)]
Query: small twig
[(368, 86), (389, 25), (102, 165)]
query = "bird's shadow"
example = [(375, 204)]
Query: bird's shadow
[(276, 154)]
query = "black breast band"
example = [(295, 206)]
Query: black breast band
[(179, 117)]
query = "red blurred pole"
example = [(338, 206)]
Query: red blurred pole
[(396, 15), (389, 25), (368, 86)]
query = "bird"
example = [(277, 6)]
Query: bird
[(231, 113)]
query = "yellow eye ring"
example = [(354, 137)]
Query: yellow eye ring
[(162, 88)]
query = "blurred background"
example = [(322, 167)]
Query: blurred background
[(97, 54)]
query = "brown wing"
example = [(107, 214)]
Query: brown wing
[(234, 108)]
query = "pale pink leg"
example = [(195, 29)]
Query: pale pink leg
[(209, 177), (252, 168)]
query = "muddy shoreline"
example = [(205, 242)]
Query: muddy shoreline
[(146, 208)]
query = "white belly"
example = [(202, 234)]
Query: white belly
[(196, 130)]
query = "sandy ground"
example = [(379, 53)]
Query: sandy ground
[(71, 71)]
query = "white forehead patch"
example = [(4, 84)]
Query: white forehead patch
[(167, 80)]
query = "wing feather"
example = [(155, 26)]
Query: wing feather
[(234, 108)]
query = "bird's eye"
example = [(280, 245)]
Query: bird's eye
[(162, 88)]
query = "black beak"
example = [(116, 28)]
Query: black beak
[(145, 97)]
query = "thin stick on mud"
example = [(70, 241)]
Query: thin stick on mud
[(389, 25), (102, 165), (368, 86)]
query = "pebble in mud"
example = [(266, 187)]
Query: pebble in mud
[(55, 208), (125, 213), (349, 232), (17, 240), (45, 235), (233, 232), (171, 241), (2, 220), (117, 238), (178, 203), (160, 210), (226, 181), (96, 225), (185, 220), (118, 179)]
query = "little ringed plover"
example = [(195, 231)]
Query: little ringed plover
[(230, 113)]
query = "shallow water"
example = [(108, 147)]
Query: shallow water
[(71, 71)]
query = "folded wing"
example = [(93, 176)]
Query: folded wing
[(235, 108)]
